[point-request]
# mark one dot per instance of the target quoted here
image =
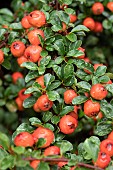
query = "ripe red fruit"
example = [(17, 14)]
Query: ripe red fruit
[(98, 27), (89, 23), (40, 80), (64, 27), (23, 96), (69, 95), (32, 53), (24, 139), (1, 57), (107, 146), (98, 91), (68, 124), (43, 103), (16, 75), (19, 103), (73, 114), (110, 6), (24, 22), (73, 18), (103, 160), (36, 109), (52, 150), (33, 36), (91, 108), (45, 133), (110, 136), (97, 8), (17, 48), (34, 164), (37, 18)]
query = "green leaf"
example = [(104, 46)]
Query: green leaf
[(66, 110), (59, 60), (43, 166), (47, 116), (80, 28), (63, 17), (8, 162), (75, 53), (82, 75), (41, 142), (59, 46), (107, 109), (84, 85), (64, 146), (45, 60), (57, 70), (54, 85), (4, 141), (68, 2), (53, 95), (68, 71), (109, 87), (31, 75), (72, 37), (6, 11), (49, 126), (16, 26), (44, 53), (35, 121), (107, 24), (55, 119), (6, 64), (103, 79), (29, 102), (48, 79), (100, 71), (91, 146), (30, 66), (32, 89), (79, 100), (2, 32), (104, 127), (18, 149)]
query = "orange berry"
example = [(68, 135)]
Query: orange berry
[(40, 80), (73, 18), (16, 75), (23, 96), (98, 91), (17, 48), (19, 103), (24, 139), (68, 124), (1, 57), (110, 136), (110, 6), (83, 50), (97, 8), (73, 114), (103, 160), (97, 65), (45, 133), (69, 95), (32, 53), (106, 146), (24, 22), (64, 27), (89, 23), (36, 108), (98, 27), (37, 18), (52, 150), (43, 103), (34, 164), (21, 60), (91, 108), (33, 36)]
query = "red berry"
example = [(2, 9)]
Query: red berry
[(103, 160), (1, 57), (110, 6), (91, 108), (24, 139), (16, 75), (45, 133), (34, 164), (89, 23), (52, 150), (23, 96), (107, 146), (110, 136), (68, 124), (97, 8), (24, 22), (73, 18), (69, 95), (17, 48), (98, 27), (19, 103), (33, 36), (43, 103), (98, 91), (40, 80), (37, 18)]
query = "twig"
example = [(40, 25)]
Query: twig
[(80, 164), (3, 43)]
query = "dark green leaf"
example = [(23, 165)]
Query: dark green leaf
[(18, 149), (45, 60), (4, 140), (80, 28), (49, 126), (30, 66), (109, 87), (47, 116), (35, 121), (59, 46), (53, 95), (54, 85), (66, 110), (72, 37), (64, 146), (75, 53), (79, 100), (43, 166), (8, 162), (29, 102), (55, 119), (100, 71), (41, 142), (82, 75), (84, 85), (31, 75), (48, 79), (16, 26)]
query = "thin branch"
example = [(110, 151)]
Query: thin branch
[(80, 164), (3, 43)]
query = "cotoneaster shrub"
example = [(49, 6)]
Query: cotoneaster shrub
[(56, 90)]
